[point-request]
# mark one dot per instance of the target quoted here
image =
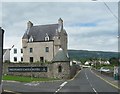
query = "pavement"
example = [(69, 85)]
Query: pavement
[(86, 81)]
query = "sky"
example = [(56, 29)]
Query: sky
[(90, 25)]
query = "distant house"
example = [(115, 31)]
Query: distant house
[(42, 42), (87, 63), (104, 62), (16, 53), (6, 55)]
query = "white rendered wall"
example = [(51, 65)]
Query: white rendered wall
[(17, 46)]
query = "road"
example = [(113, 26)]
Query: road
[(85, 81)]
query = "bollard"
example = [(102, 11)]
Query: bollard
[(1, 57)]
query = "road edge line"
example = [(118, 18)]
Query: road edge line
[(106, 80), (11, 91), (75, 76)]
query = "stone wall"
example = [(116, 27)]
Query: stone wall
[(65, 72), (73, 70), (52, 70), (33, 74), (38, 51)]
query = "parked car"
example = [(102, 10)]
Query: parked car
[(102, 69)]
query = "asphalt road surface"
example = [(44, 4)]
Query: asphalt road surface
[(86, 81)]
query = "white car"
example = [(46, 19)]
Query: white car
[(102, 69)]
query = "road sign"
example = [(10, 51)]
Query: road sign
[(27, 69)]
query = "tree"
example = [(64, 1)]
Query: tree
[(114, 61)]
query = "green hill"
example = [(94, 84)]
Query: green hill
[(84, 54)]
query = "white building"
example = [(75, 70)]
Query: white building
[(87, 62), (16, 53)]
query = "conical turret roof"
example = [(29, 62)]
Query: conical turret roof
[(61, 56)]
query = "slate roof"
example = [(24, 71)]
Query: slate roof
[(39, 32), (4, 50), (61, 56)]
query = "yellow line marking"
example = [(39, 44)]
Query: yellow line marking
[(106, 80), (11, 91), (75, 76)]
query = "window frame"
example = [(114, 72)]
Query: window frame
[(41, 59), (21, 50), (31, 60), (31, 50), (21, 59), (47, 49), (15, 59), (59, 69), (15, 51)]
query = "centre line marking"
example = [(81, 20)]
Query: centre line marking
[(86, 75), (90, 84)]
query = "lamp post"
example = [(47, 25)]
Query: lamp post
[(1, 57)]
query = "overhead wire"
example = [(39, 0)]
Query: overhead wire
[(111, 12)]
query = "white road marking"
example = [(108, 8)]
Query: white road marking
[(61, 86), (86, 75), (32, 84), (90, 83), (94, 90), (11, 81), (11, 92)]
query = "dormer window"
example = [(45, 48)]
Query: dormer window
[(46, 37), (31, 39)]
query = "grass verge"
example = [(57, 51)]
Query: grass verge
[(26, 79)]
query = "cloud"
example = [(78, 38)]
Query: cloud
[(89, 25), (60, 1)]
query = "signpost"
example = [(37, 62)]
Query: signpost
[(116, 76), (1, 57), (27, 69)]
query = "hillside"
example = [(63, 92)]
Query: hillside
[(84, 54)]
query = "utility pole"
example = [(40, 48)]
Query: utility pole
[(1, 57)]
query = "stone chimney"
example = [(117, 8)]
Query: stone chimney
[(60, 22), (29, 25)]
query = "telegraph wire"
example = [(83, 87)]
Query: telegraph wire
[(111, 12)]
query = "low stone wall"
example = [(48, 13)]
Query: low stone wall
[(52, 70), (73, 70), (33, 74)]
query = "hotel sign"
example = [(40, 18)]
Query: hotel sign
[(27, 69)]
